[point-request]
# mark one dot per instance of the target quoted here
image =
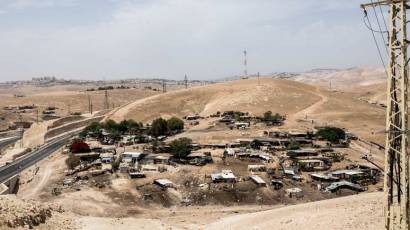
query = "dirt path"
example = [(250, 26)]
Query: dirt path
[(121, 112), (45, 175), (311, 109)]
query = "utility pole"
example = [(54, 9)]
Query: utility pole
[(396, 176), (164, 86), (186, 81), (259, 83), (106, 105), (245, 64), (90, 104)]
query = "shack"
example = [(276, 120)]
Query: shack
[(313, 165), (323, 177), (124, 167), (164, 183), (294, 192), (107, 158), (258, 180), (346, 174), (256, 168), (336, 186), (225, 176), (132, 156), (305, 152)]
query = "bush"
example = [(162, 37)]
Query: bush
[(159, 127), (79, 146), (269, 117), (175, 124), (331, 134), (293, 145), (111, 126), (256, 144), (181, 147), (128, 126), (72, 161)]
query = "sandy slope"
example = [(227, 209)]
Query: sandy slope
[(354, 212), (286, 97), (343, 79)]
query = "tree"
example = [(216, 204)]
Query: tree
[(293, 145), (111, 125), (268, 116), (159, 127), (94, 129), (79, 146), (181, 147), (175, 124), (331, 134), (72, 161)]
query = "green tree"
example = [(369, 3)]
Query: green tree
[(72, 161), (269, 116), (128, 126), (181, 147), (111, 125), (175, 124), (293, 145), (159, 127), (331, 134)]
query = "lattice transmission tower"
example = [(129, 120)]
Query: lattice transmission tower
[(396, 175)]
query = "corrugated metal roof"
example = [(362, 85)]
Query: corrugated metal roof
[(258, 179)]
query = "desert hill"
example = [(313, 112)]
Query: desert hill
[(282, 96), (301, 103), (342, 79)]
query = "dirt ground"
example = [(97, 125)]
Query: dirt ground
[(120, 204)]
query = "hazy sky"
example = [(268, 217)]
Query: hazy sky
[(96, 39)]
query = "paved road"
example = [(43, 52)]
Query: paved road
[(19, 165), (6, 141)]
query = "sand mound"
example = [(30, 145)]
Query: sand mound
[(363, 211), (280, 96), (17, 213)]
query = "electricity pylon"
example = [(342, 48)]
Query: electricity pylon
[(396, 176)]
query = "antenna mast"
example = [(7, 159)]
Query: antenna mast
[(245, 64)]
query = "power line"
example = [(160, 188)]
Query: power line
[(369, 26), (380, 28)]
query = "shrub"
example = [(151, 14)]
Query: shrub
[(79, 146), (331, 134), (181, 147), (293, 145), (72, 161), (159, 127), (175, 124), (111, 125), (269, 117)]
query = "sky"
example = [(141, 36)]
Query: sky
[(205, 39)]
